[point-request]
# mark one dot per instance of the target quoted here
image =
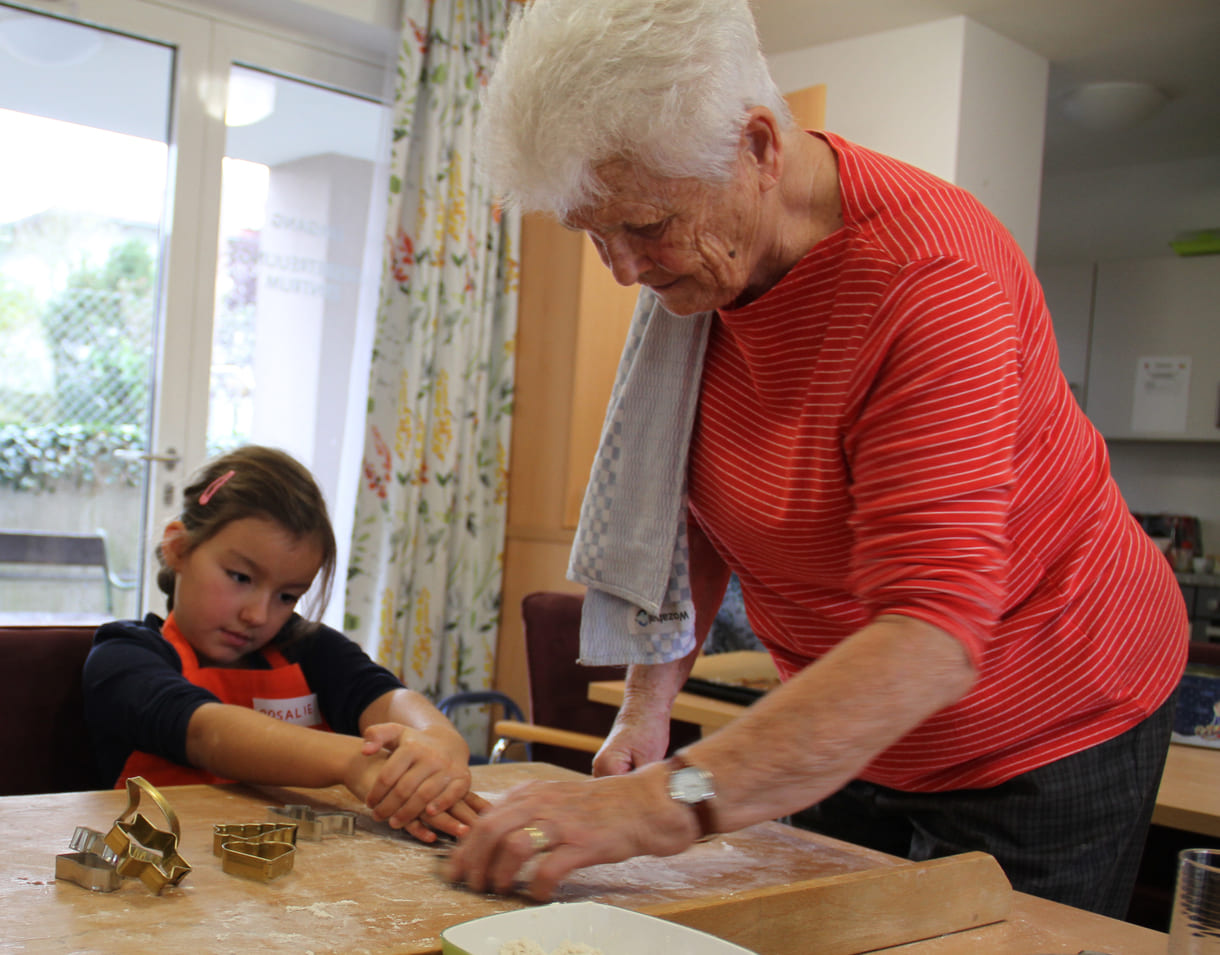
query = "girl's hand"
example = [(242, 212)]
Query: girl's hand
[(417, 780), (456, 822)]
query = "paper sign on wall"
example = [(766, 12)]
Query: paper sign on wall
[(1162, 391)]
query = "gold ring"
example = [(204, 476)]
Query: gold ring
[(538, 839)]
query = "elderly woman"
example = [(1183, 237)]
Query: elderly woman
[(979, 645)]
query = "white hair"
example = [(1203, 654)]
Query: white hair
[(664, 83)]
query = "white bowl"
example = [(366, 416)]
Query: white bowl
[(608, 928)]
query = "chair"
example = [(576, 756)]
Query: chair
[(566, 728), (34, 550), (512, 713), (513, 728), (44, 740)]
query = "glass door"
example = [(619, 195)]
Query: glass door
[(297, 258), (297, 202), (189, 258), (85, 119)]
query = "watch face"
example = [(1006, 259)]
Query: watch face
[(690, 785)]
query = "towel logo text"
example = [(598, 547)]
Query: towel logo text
[(673, 618)]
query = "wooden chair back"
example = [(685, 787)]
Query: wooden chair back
[(559, 686)]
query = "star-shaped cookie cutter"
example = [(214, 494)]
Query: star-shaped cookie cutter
[(257, 850), (141, 850), (312, 825)]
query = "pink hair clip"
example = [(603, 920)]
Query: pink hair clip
[(214, 487)]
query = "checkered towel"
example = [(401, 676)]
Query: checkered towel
[(631, 547)]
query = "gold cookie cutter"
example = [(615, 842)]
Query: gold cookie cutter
[(134, 848), (257, 850), (313, 825), (141, 850)]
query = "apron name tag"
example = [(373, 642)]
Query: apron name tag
[(302, 710)]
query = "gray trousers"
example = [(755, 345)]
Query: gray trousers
[(1072, 831)]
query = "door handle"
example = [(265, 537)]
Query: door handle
[(170, 458)]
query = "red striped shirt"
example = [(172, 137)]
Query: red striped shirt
[(887, 431)]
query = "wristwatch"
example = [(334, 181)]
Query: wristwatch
[(694, 787)]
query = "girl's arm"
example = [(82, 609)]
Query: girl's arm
[(416, 710), (240, 743), (243, 744)]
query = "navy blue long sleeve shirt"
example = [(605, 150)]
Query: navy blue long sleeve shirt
[(136, 697)]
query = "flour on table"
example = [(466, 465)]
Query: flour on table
[(527, 946)]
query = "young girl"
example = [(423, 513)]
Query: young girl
[(234, 685)]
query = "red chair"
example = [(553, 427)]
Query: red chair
[(565, 727), (44, 741)]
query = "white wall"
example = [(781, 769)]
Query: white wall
[(951, 97), (363, 26), (897, 92), (1176, 477), (1127, 212), (1002, 126)]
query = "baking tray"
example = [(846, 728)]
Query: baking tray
[(730, 693)]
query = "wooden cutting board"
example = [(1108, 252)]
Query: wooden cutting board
[(771, 888)]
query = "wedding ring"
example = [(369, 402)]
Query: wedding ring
[(538, 839)]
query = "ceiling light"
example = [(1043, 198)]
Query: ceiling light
[(1112, 105), (45, 41), (251, 97)]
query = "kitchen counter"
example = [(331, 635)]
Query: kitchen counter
[(1191, 579)]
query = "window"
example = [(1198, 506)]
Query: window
[(189, 259)]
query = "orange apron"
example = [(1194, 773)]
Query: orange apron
[(280, 692)]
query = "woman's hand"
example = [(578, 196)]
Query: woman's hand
[(640, 733), (570, 825), (632, 742), (416, 780)]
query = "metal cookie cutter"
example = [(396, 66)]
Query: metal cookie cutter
[(313, 825), (91, 865), (142, 850), (259, 850)]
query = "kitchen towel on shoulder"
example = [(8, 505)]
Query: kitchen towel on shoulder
[(630, 548)]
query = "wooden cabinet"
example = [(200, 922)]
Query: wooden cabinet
[(1161, 310), (549, 325)]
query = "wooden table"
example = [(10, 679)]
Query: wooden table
[(1189, 797), (378, 891), (704, 711)]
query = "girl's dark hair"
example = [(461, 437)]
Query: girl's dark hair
[(265, 483)]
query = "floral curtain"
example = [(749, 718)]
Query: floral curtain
[(423, 590)]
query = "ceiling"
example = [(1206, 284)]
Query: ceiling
[(1173, 44)]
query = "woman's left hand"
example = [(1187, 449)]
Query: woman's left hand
[(570, 825), (423, 783)]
